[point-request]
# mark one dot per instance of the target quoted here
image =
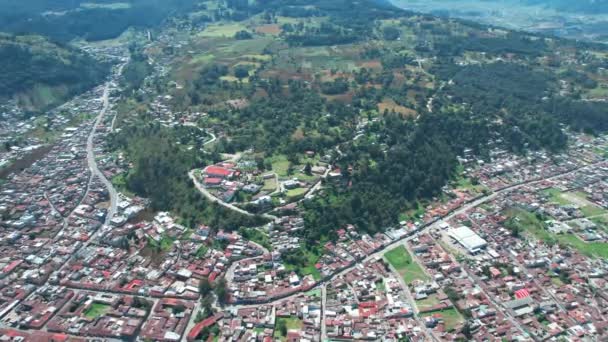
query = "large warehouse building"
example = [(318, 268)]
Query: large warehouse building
[(468, 239)]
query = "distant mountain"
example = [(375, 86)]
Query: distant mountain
[(582, 6), (39, 73), (92, 20)]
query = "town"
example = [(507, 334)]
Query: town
[(513, 251), (513, 248)]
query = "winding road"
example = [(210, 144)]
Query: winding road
[(214, 199)]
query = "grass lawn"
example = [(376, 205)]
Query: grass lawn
[(201, 251), (165, 243), (270, 184), (309, 266), (577, 198), (601, 221), (280, 164), (427, 303), (96, 310), (295, 193), (290, 323), (409, 269), (555, 195), (202, 58), (380, 286), (256, 235), (412, 214), (304, 177), (451, 317), (222, 30), (314, 293), (259, 58)]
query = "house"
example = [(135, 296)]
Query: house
[(218, 172)]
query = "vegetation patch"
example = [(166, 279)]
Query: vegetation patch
[(284, 324), (273, 29), (524, 221), (96, 310), (402, 261), (389, 105), (296, 193), (451, 318), (222, 30), (427, 303)]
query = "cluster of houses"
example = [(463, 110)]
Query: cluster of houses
[(551, 288), (263, 323), (370, 303), (19, 137)]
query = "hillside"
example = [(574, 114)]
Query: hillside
[(39, 73), (402, 95), (65, 20)]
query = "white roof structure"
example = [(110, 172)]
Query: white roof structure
[(468, 239)]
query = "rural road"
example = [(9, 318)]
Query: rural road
[(212, 198)]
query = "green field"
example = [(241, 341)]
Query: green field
[(256, 235), (451, 317), (427, 303), (280, 165), (308, 267), (96, 310), (402, 261), (575, 198), (555, 196), (202, 58), (290, 323), (528, 222), (295, 193), (270, 184), (222, 30)]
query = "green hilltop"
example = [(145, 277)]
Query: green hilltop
[(39, 73)]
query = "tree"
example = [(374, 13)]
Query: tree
[(221, 291), (241, 72), (282, 327), (308, 169), (205, 287), (243, 35), (391, 33)]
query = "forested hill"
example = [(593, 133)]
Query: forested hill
[(39, 73), (65, 20)]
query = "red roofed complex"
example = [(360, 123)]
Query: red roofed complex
[(218, 172), (523, 293), (193, 334)]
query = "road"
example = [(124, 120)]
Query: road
[(463, 209), (95, 172), (411, 301), (92, 163)]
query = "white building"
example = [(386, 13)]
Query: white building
[(468, 239)]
